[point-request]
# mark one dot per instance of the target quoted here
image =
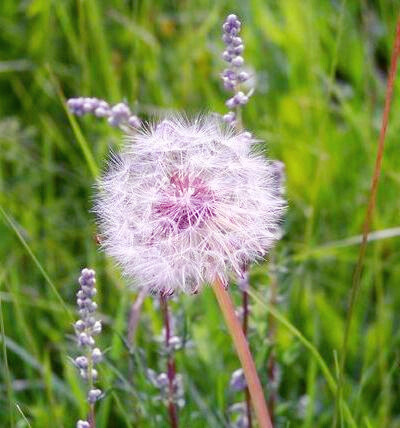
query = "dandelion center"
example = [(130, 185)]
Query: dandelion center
[(186, 202)]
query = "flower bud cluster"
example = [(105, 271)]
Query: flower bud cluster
[(85, 329), (238, 413), (117, 115), (238, 410), (234, 75), (161, 382)]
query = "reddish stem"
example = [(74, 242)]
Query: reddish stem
[(173, 416), (245, 306), (369, 213), (271, 366), (92, 419)]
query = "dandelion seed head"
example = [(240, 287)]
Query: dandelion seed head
[(186, 201)]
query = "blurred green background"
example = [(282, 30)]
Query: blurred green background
[(321, 68)]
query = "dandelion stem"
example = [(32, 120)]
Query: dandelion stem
[(369, 213), (243, 351), (173, 416)]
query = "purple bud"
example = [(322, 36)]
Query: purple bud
[(238, 381), (237, 61), (81, 362), (134, 121), (227, 39), (243, 76), (92, 307), (97, 355), (240, 98), (94, 395), (82, 424), (236, 41), (226, 56), (103, 104), (229, 117), (243, 282), (231, 18), (97, 327), (229, 74), (162, 380), (91, 321), (234, 31), (87, 107), (113, 121), (101, 112), (80, 325), (238, 49), (229, 85), (231, 103), (226, 27), (85, 339)]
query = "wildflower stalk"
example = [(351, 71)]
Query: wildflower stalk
[(242, 349), (271, 365), (245, 306), (85, 328), (134, 315), (173, 416), (368, 216)]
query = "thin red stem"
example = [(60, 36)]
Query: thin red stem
[(271, 366), (173, 416), (370, 209), (92, 419), (245, 306)]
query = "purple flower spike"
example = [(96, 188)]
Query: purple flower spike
[(233, 76), (118, 115), (87, 326)]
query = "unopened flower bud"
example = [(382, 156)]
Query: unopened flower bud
[(97, 355), (81, 362), (237, 61), (238, 381), (97, 327), (79, 325), (94, 395)]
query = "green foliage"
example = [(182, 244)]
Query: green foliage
[(321, 68)]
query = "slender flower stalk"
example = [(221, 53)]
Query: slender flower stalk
[(171, 370), (369, 214), (134, 316), (244, 286), (85, 329), (271, 365), (234, 76), (243, 351)]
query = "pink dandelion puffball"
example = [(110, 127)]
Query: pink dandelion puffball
[(187, 201)]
